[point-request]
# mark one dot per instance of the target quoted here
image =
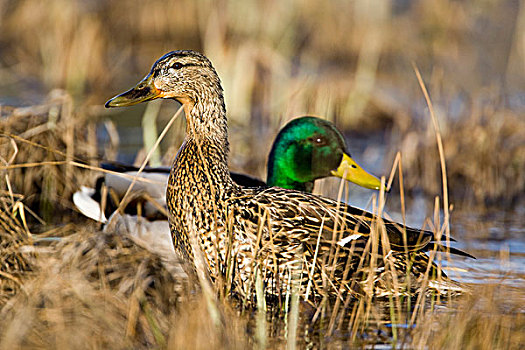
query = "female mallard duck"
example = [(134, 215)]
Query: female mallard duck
[(305, 149), (281, 235)]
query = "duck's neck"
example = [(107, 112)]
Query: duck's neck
[(278, 176), (283, 170), (207, 130), (207, 119)]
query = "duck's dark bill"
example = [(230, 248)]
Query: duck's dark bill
[(349, 170), (143, 91)]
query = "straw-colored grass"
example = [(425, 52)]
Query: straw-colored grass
[(485, 156), (46, 139), (492, 318), (13, 236), (102, 290)]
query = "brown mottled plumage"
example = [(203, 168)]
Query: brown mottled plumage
[(284, 235)]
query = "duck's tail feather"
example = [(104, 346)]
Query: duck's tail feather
[(87, 205), (452, 250)]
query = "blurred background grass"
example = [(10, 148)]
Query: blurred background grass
[(349, 61)]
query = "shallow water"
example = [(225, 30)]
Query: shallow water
[(498, 244)]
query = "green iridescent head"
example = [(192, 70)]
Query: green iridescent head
[(310, 148)]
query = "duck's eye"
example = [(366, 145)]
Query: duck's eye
[(177, 65), (318, 141)]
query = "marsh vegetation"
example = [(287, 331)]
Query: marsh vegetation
[(66, 284)]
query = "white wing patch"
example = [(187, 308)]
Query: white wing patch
[(347, 239)]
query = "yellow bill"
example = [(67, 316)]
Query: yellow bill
[(351, 171)]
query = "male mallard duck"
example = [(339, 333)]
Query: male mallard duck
[(305, 149), (278, 234)]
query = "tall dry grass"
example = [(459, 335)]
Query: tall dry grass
[(491, 319), (13, 236), (484, 152), (46, 138), (97, 289)]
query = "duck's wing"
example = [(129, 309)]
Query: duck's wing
[(303, 216)]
